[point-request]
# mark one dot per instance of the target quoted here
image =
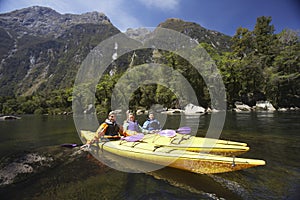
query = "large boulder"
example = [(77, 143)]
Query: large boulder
[(239, 106), (193, 109), (264, 105)]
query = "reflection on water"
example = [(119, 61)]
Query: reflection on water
[(73, 174)]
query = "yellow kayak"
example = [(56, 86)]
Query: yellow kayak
[(196, 162)]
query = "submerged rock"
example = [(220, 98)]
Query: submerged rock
[(26, 164), (9, 117)]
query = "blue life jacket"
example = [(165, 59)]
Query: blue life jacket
[(151, 125)]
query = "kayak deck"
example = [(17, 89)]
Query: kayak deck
[(198, 144)]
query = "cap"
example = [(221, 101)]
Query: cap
[(111, 113)]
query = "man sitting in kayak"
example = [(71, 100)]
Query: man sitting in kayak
[(108, 129), (131, 126), (151, 124)]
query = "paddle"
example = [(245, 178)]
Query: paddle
[(133, 138), (73, 145)]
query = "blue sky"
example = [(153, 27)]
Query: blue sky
[(221, 15)]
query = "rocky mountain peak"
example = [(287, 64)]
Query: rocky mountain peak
[(34, 11), (43, 21)]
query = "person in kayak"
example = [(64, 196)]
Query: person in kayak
[(109, 129), (151, 124), (131, 126)]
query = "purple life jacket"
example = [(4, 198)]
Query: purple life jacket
[(133, 126)]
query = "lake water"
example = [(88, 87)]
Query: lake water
[(32, 145)]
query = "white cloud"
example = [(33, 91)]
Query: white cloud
[(161, 4), (121, 18)]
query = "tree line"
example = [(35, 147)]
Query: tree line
[(261, 65)]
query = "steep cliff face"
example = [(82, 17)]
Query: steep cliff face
[(42, 49)]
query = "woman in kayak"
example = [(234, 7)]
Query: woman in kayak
[(131, 126), (151, 124)]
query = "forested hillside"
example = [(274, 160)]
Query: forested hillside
[(40, 61)]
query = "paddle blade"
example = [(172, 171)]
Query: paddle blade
[(167, 133), (68, 145), (184, 130), (133, 138)]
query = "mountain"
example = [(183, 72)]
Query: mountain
[(43, 21), (218, 40), (41, 49)]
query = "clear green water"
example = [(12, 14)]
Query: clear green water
[(71, 174)]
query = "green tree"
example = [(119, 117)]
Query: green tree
[(242, 43), (252, 58), (230, 68), (10, 106), (284, 85), (264, 41)]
